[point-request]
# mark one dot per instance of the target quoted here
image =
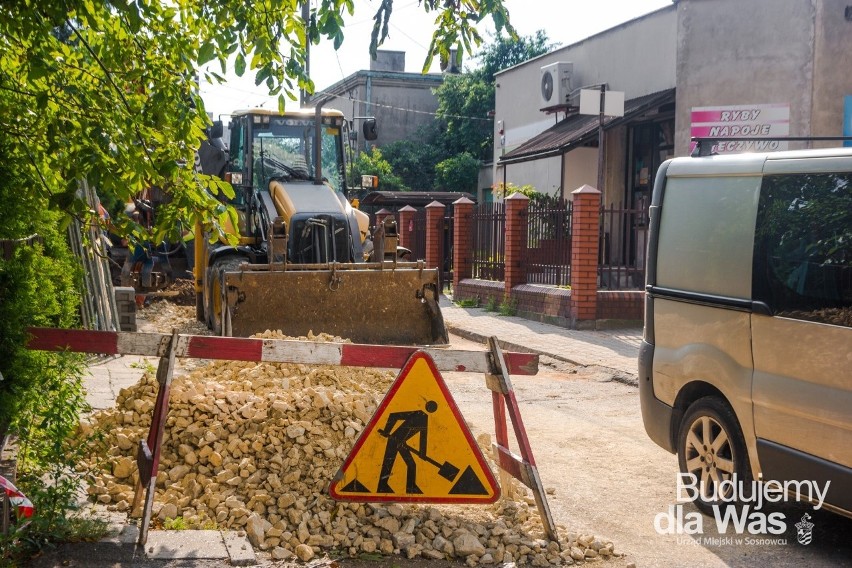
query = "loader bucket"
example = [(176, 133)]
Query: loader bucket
[(367, 305)]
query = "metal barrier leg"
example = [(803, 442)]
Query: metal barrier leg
[(148, 457), (521, 467)]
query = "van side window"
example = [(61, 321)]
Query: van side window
[(803, 247)]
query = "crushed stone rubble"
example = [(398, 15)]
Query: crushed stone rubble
[(253, 447)]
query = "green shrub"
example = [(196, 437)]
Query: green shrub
[(508, 307), (176, 524), (491, 304), (41, 393), (467, 302)]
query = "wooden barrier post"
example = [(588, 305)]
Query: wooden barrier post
[(520, 467), (148, 457)]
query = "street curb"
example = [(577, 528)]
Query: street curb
[(473, 336), (508, 345)]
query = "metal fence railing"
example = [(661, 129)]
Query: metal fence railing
[(447, 253), (624, 240), (548, 256), (489, 232)]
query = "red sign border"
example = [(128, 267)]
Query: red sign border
[(371, 425)]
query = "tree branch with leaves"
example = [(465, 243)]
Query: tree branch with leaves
[(108, 91)]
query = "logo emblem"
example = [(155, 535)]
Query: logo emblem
[(804, 530)]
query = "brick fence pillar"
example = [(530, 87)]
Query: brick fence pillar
[(585, 235), (435, 235), (406, 226), (515, 245), (381, 214), (462, 240)]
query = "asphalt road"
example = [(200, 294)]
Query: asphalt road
[(610, 480)]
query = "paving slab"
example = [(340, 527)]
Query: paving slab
[(239, 548), (185, 545)]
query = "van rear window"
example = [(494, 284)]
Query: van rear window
[(706, 229), (803, 247)]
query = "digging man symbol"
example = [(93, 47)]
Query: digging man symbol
[(408, 425)]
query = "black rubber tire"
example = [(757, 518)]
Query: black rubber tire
[(221, 265), (711, 419)]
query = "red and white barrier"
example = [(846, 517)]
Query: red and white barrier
[(496, 365), (24, 507), (269, 350)]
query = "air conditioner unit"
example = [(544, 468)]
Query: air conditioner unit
[(555, 84)]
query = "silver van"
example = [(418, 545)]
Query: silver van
[(746, 362)]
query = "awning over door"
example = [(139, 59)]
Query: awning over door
[(580, 129)]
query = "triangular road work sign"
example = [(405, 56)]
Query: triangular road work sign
[(416, 448)]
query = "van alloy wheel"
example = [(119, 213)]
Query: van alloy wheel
[(710, 446), (708, 454)]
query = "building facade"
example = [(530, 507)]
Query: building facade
[(708, 68), (401, 102), (782, 65), (553, 147)]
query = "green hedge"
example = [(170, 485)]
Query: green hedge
[(41, 394)]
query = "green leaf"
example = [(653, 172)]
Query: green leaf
[(206, 53), (240, 65)]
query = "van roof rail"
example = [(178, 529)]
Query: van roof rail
[(704, 145)]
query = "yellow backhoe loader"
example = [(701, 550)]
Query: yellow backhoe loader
[(306, 260)]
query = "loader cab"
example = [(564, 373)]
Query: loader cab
[(274, 173), (266, 145)]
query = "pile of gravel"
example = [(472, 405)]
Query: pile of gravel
[(254, 446)]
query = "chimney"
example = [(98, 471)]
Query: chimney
[(388, 61), (454, 64)]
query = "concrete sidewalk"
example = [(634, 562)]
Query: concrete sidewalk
[(616, 349)]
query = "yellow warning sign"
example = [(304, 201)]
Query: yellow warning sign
[(416, 448)]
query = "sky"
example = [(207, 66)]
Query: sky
[(564, 22)]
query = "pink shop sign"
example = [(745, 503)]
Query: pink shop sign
[(742, 121)]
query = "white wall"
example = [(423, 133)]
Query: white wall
[(546, 174), (580, 168), (637, 57)]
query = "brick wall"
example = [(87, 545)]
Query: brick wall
[(435, 235), (462, 240), (580, 307), (484, 290), (543, 303), (517, 226), (585, 230), (621, 305)]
